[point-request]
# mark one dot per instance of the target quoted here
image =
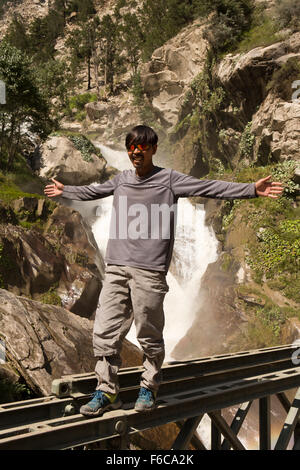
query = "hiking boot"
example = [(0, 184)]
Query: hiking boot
[(146, 400), (100, 403)]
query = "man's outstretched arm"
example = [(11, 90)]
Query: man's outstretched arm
[(185, 186), (81, 193)]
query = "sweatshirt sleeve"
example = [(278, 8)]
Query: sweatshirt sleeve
[(185, 186), (90, 192)]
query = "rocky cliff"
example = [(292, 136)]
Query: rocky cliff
[(232, 117)]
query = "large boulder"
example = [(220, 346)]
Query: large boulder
[(57, 262), (59, 158), (277, 131), (44, 342)]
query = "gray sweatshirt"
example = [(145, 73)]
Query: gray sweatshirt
[(143, 220)]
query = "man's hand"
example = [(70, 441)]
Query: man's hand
[(53, 190), (265, 187)]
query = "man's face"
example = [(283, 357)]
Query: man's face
[(141, 155)]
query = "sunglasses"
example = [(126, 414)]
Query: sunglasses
[(142, 147)]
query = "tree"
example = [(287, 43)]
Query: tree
[(43, 33), (55, 79), (85, 9), (108, 36), (162, 19), (82, 44), (25, 108), (16, 33), (131, 39), (229, 20), (63, 8)]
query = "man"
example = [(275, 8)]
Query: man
[(138, 256)]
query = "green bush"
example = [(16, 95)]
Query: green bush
[(78, 102), (51, 297), (85, 146), (278, 249), (284, 172), (229, 20), (263, 32), (13, 391), (265, 326), (247, 141)]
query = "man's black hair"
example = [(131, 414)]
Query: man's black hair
[(141, 135)]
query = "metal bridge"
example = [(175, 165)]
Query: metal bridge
[(189, 390)]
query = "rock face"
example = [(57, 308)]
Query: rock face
[(275, 119), (165, 79), (171, 69), (29, 9), (59, 261), (277, 131), (44, 342), (59, 158), (112, 120)]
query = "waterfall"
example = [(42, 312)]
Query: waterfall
[(195, 247)]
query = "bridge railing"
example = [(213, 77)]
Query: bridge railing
[(190, 390)]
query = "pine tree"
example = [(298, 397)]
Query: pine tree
[(25, 106), (17, 35), (108, 36), (131, 39)]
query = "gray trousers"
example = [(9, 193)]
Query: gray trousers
[(129, 294)]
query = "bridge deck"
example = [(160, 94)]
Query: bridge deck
[(189, 390)]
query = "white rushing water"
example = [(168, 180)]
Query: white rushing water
[(195, 247)]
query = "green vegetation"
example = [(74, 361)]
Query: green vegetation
[(76, 104), (267, 28), (85, 146), (25, 106), (10, 391), (272, 252), (10, 191), (51, 297), (278, 249), (81, 142), (283, 78), (247, 141), (265, 326), (266, 320), (263, 32), (146, 114), (287, 14), (119, 41)]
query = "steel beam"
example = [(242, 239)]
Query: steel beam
[(264, 423), (215, 431), (186, 433), (72, 431), (18, 413), (72, 385), (237, 422), (290, 424), (227, 432)]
